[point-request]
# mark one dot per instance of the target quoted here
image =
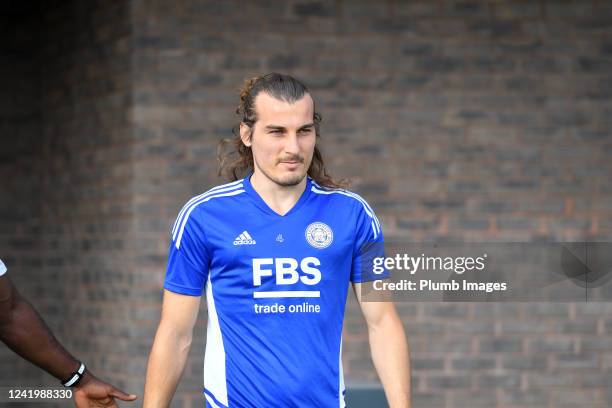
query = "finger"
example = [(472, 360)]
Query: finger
[(106, 402), (122, 395)]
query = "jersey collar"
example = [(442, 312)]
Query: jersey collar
[(259, 202)]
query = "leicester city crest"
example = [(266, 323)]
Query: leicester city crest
[(319, 235)]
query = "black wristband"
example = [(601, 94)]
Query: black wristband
[(75, 377)]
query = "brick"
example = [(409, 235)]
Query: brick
[(439, 64), (494, 29), (593, 65), (582, 326), (471, 223), (596, 344), (517, 223), (519, 397), (492, 206), (417, 9), (596, 380), (506, 381), (544, 344), (426, 363), (577, 361), (313, 9), (481, 399), (496, 345), (455, 345), (530, 362), (392, 26), (566, 9), (434, 204), (496, 311), (471, 327), (463, 8), (355, 10), (417, 49), (472, 363), (448, 381), (424, 328), (573, 398), (524, 327), (284, 62), (448, 311), (466, 186), (546, 310), (428, 399), (518, 10), (552, 379), (418, 223)]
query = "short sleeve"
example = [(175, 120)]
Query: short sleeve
[(2, 268), (368, 251), (188, 260)]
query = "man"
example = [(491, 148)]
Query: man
[(24, 331), (275, 252)]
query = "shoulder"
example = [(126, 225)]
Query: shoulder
[(223, 192), (219, 195), (344, 197)]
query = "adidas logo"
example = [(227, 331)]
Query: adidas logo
[(244, 239)]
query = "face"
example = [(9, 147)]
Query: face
[(282, 139)]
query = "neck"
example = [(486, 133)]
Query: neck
[(279, 198)]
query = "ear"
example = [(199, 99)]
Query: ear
[(245, 134)]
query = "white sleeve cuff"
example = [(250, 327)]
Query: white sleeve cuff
[(2, 268)]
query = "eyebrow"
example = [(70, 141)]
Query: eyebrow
[(275, 127)]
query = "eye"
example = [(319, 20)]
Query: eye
[(306, 130)]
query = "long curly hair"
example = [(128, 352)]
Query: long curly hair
[(236, 159)]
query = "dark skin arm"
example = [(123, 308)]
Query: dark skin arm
[(24, 331)]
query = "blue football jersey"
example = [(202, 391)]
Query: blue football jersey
[(276, 288)]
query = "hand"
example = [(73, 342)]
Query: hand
[(93, 393)]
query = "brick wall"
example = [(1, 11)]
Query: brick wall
[(466, 120), (87, 213), (19, 132), (68, 216)]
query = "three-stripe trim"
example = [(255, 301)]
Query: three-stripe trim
[(225, 190), (376, 228), (196, 198)]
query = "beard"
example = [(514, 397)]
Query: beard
[(288, 179)]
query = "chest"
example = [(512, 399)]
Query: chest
[(293, 253)]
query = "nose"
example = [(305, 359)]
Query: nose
[(291, 144)]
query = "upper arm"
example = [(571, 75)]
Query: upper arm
[(179, 312), (375, 312), (188, 258), (368, 245), (186, 273)]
